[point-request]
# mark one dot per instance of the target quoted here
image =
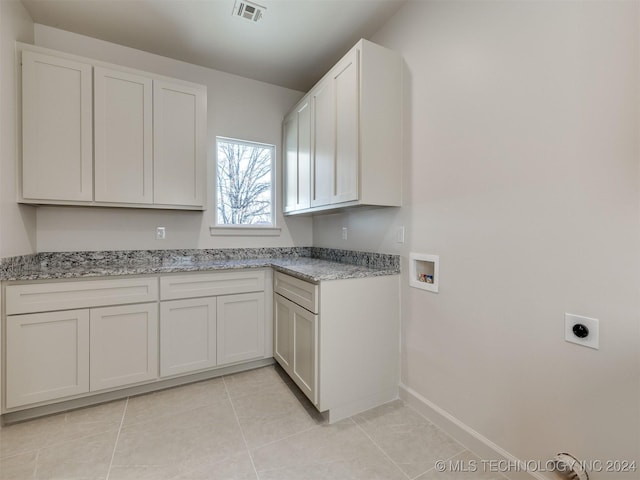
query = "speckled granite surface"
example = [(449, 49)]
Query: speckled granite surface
[(308, 263)]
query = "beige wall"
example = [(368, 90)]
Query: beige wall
[(237, 107), (17, 223), (521, 159)]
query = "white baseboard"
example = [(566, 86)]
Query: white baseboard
[(467, 436)]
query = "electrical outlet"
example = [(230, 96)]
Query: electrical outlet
[(161, 233), (345, 233), (583, 331), (400, 235)]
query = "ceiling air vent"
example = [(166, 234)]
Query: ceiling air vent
[(249, 10)]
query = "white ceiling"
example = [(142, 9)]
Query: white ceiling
[(293, 45)]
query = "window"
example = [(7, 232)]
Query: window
[(244, 183)]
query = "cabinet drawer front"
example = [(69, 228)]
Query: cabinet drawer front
[(298, 291), (44, 297), (210, 284)]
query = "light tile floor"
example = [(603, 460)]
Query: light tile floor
[(253, 425)]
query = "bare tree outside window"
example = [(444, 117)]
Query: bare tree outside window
[(244, 183)]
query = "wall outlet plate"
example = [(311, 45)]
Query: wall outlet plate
[(592, 340), (161, 233)]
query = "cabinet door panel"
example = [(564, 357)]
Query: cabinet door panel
[(57, 131), (346, 160), (240, 327), (304, 156), (295, 344), (47, 356), (187, 335), (324, 124), (305, 364), (124, 345), (297, 158), (282, 333), (179, 144), (290, 167), (123, 137)]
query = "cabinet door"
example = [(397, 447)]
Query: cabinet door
[(295, 344), (187, 335), (47, 356), (123, 137), (283, 332), (304, 156), (240, 327), (305, 363), (345, 81), (57, 145), (324, 124), (179, 144), (290, 160), (297, 161), (124, 345)]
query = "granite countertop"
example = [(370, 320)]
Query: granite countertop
[(310, 264)]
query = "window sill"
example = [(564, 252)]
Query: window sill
[(241, 231)]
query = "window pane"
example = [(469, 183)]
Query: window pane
[(244, 195)]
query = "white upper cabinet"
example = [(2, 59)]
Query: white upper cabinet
[(356, 118), (345, 84), (99, 134), (57, 145), (180, 116), (123, 112), (322, 99), (297, 157)]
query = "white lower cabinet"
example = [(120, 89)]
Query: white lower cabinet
[(339, 340), (187, 335), (123, 345), (66, 340), (295, 338), (47, 356), (240, 327), (283, 332)]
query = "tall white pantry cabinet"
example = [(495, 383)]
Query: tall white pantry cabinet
[(101, 134), (343, 144)]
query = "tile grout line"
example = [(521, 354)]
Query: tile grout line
[(35, 468), (288, 436), (113, 454), (379, 448), (436, 426), (446, 461), (235, 414)]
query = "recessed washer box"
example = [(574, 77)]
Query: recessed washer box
[(424, 271)]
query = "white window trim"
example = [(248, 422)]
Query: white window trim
[(245, 230)]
